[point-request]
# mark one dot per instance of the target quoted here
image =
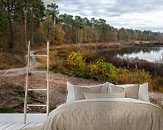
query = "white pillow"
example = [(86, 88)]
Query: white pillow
[(143, 92), (71, 93), (103, 95), (122, 85)]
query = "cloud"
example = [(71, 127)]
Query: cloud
[(136, 14)]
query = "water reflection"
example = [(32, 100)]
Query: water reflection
[(152, 54)]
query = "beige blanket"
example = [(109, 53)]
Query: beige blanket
[(106, 114)]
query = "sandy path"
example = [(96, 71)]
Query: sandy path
[(19, 71)]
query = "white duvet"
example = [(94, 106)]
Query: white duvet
[(106, 114)]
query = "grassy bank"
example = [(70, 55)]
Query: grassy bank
[(9, 60)]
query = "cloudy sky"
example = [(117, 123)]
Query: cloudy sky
[(135, 14)]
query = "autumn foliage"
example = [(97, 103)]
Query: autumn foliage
[(102, 70)]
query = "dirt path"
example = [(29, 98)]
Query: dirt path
[(19, 71)]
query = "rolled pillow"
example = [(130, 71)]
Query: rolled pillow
[(103, 95), (79, 91)]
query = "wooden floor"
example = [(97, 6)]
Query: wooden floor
[(15, 121), (17, 126)]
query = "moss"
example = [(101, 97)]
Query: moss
[(12, 98), (6, 110)]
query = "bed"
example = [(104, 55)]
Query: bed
[(106, 107)]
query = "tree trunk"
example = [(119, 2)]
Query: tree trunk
[(10, 35)]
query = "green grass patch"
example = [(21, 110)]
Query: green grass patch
[(6, 110)]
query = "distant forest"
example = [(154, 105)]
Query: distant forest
[(21, 21)]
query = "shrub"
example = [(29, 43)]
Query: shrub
[(19, 59), (6, 110), (102, 70), (4, 66), (11, 61), (42, 63), (124, 76), (57, 64), (157, 84), (76, 60)]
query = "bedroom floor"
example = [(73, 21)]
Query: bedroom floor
[(17, 126), (15, 121)]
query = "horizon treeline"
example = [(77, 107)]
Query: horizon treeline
[(21, 21)]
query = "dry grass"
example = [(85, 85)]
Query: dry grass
[(11, 60)]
